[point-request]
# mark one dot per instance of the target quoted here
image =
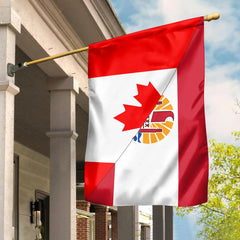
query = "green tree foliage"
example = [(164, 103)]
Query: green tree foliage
[(220, 216)]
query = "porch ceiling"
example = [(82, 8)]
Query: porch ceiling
[(81, 20), (93, 20)]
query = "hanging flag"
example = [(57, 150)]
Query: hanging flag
[(147, 139)]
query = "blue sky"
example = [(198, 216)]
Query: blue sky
[(222, 60)]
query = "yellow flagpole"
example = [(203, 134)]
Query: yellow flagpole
[(55, 56), (14, 68)]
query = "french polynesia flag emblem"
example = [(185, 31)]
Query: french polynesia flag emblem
[(147, 141)]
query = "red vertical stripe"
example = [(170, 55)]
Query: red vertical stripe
[(193, 152)]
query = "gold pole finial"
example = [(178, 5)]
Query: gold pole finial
[(213, 16)]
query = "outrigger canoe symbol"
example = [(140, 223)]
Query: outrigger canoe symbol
[(158, 124)]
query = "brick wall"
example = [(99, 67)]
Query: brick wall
[(83, 223), (101, 223)]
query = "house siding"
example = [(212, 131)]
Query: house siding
[(33, 175)]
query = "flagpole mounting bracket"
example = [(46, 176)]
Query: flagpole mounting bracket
[(12, 69)]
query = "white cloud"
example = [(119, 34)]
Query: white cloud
[(220, 99), (146, 16), (175, 10)]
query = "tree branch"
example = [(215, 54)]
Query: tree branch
[(213, 210)]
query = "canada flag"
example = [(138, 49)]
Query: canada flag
[(147, 141)]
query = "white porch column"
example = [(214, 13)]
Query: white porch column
[(9, 25), (62, 158), (128, 223)]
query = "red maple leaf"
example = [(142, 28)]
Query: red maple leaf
[(134, 116)]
